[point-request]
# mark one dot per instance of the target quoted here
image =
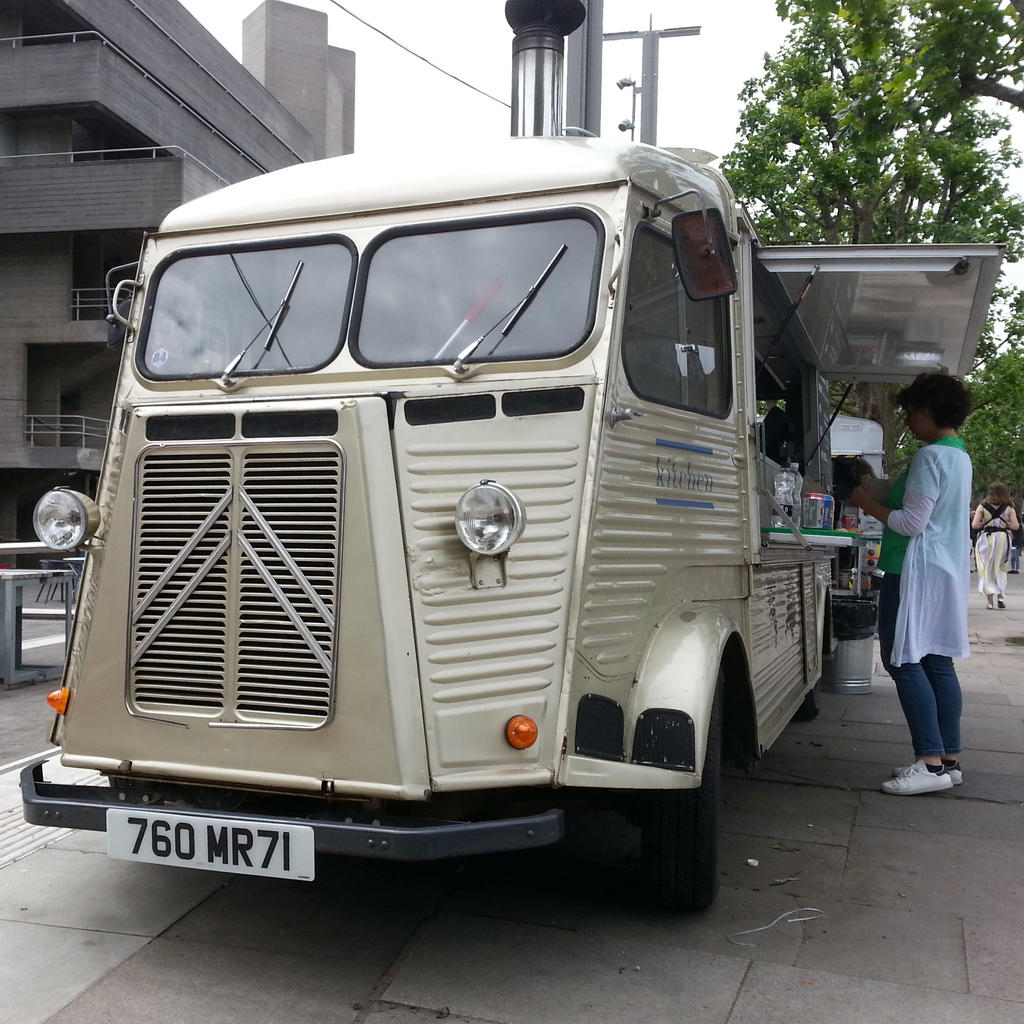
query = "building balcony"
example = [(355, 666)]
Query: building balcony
[(65, 431), (58, 442), (84, 71), (99, 190)]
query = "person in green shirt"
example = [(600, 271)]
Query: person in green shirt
[(922, 608)]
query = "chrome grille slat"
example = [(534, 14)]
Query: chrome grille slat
[(183, 595), (235, 583)]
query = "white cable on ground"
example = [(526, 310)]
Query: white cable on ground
[(793, 920)]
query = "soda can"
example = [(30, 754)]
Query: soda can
[(828, 514), (814, 512)]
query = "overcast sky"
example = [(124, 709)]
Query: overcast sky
[(400, 98)]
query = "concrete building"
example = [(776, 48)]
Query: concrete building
[(113, 112)]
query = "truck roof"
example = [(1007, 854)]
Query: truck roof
[(450, 173)]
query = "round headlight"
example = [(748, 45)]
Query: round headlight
[(64, 518), (489, 518)]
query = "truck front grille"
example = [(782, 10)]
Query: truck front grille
[(235, 582)]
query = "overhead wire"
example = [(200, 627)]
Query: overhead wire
[(418, 56)]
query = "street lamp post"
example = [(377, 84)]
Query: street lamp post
[(649, 79)]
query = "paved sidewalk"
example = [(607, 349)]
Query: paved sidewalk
[(901, 908)]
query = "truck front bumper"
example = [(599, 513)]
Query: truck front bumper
[(382, 838)]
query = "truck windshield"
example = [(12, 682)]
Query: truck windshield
[(226, 314), (501, 289)]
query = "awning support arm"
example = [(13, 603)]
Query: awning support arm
[(794, 305)]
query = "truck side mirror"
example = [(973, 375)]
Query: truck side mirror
[(117, 318), (703, 254)]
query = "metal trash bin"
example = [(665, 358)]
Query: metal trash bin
[(854, 621)]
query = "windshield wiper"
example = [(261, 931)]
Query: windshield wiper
[(275, 325), (515, 315), (478, 307)]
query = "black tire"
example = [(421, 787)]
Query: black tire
[(680, 832), (808, 709)]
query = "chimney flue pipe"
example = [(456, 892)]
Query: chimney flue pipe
[(540, 28)]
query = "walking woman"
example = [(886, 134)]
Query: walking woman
[(922, 609), (996, 519)]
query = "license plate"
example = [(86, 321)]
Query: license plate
[(234, 845)]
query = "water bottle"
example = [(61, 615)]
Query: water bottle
[(798, 492), (787, 488)]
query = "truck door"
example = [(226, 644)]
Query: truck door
[(669, 522)]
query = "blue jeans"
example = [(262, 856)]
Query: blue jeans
[(929, 689)]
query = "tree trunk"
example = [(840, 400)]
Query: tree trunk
[(878, 402)]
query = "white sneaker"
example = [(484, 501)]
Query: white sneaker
[(916, 778), (956, 774)]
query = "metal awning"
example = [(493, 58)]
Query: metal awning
[(878, 312)]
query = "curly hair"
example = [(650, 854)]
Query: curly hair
[(947, 398)]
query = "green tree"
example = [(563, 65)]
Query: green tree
[(831, 152), (994, 433), (847, 138), (959, 48)]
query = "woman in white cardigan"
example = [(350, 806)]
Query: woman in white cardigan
[(922, 609)]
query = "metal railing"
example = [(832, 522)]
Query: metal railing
[(93, 35), (88, 303), (65, 431), (51, 37), (73, 156)]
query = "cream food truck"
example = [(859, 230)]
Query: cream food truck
[(434, 497)]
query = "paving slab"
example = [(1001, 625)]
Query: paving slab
[(979, 819), (886, 945), (961, 874), (25, 720), (1005, 733), (502, 971), (1007, 789), (847, 747), (81, 841), (788, 995), (988, 775), (995, 958), (991, 762), (90, 891), (579, 886), (42, 969), (754, 807), (362, 922), (886, 711), (831, 773), (709, 931), (808, 871), (822, 729), (392, 1013), (171, 982)]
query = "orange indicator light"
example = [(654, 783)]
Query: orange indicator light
[(521, 732), (58, 700)]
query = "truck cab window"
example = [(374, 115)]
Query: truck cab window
[(252, 310), (485, 291), (675, 351)]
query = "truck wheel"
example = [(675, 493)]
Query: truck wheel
[(808, 709), (680, 832)]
